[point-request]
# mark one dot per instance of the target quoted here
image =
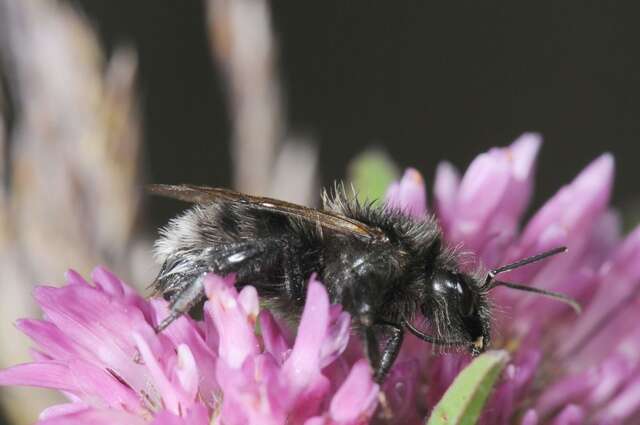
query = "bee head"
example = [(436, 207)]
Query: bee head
[(456, 307), (457, 310)]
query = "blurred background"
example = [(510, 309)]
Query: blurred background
[(424, 80), (98, 98)]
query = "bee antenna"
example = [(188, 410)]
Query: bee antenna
[(533, 259), (491, 281), (550, 294)]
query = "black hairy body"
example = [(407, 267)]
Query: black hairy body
[(383, 267), (386, 269)]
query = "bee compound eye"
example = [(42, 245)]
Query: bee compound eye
[(468, 302), (454, 288)]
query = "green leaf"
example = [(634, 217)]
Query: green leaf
[(371, 172), (467, 395)]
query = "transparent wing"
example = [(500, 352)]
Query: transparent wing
[(324, 219)]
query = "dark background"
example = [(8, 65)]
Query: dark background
[(425, 80)]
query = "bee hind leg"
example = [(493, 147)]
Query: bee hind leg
[(183, 301), (181, 279)]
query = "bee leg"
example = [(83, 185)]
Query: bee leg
[(372, 348), (186, 290), (183, 301), (390, 352)]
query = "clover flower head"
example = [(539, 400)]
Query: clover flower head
[(564, 369), (97, 345)]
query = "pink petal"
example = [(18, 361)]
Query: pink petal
[(51, 340), (492, 196), (74, 278), (530, 418), (481, 189), (564, 391), (357, 398), (184, 331), (626, 256), (588, 192), (574, 210), (253, 394), (91, 319), (621, 274), (174, 399), (248, 299), (96, 383), (95, 417), (197, 415), (625, 404), (613, 373), (39, 374), (108, 282), (503, 222), (309, 399), (302, 370), (274, 341), (409, 194), (167, 418), (77, 377), (187, 372), (62, 409), (400, 389), (336, 339), (317, 420), (235, 328), (570, 415), (304, 362), (446, 186), (523, 152)]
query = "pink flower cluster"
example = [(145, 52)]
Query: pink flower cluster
[(565, 369), (97, 345)]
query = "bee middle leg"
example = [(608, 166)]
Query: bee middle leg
[(372, 348), (381, 362)]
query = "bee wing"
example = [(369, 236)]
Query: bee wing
[(193, 193), (323, 219)]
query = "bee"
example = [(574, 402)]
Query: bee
[(386, 269)]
